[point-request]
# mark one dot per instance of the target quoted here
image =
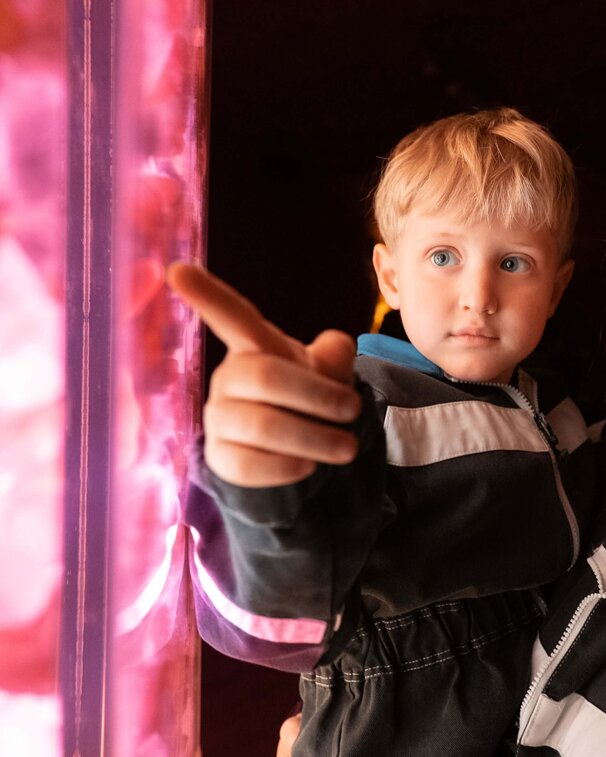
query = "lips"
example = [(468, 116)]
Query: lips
[(467, 331), (473, 337)]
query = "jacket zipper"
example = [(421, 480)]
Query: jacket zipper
[(555, 454), (523, 402), (563, 645), (532, 406), (566, 640)]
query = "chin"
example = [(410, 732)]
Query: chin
[(479, 375)]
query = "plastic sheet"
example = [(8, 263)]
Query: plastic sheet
[(33, 91), (103, 135), (161, 158)]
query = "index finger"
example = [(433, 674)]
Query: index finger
[(233, 318)]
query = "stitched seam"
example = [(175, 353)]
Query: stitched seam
[(476, 640), (386, 623), (392, 623), (426, 408), (469, 451), (423, 662)]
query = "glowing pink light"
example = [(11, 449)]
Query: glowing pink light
[(157, 174), (32, 202)]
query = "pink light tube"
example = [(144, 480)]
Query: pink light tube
[(103, 148), (160, 154), (33, 92)]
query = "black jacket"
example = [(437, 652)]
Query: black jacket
[(406, 586)]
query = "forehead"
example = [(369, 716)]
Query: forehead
[(423, 226)]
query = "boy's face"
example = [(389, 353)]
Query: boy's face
[(474, 298)]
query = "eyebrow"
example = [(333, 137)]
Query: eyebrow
[(525, 246), (445, 235), (442, 235)]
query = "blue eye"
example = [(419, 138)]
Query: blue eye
[(514, 264), (443, 258)]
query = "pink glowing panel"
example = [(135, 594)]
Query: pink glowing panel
[(160, 166), (103, 127), (33, 91)]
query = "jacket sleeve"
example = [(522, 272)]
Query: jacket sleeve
[(275, 569)]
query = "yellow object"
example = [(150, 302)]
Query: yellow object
[(381, 310)]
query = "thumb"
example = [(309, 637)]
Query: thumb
[(332, 353)]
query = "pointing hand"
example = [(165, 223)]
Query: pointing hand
[(274, 404)]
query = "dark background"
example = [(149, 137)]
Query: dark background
[(306, 99)]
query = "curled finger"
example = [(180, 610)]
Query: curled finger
[(245, 466), (275, 381), (281, 431)]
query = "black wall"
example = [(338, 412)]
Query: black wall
[(306, 98)]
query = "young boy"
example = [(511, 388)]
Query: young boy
[(385, 532)]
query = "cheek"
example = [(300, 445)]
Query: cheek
[(541, 311), (421, 294), (530, 308), (423, 314), (529, 322)]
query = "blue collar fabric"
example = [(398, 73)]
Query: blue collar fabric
[(396, 351)]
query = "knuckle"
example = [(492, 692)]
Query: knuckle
[(261, 425), (217, 381), (331, 398), (229, 372), (261, 371)]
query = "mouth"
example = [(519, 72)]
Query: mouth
[(473, 336)]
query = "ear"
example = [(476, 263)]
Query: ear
[(562, 279), (384, 262)]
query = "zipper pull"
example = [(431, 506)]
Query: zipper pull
[(546, 429), (549, 434)]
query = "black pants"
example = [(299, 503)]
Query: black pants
[(444, 681)]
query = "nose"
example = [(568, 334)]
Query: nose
[(477, 292)]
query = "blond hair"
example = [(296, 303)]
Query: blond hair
[(488, 165)]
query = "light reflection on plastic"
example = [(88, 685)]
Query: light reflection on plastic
[(32, 239), (160, 165), (159, 168)]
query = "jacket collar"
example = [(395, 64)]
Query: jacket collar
[(396, 351)]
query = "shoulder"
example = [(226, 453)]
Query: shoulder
[(402, 385)]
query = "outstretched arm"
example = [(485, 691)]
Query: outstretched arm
[(287, 499)]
